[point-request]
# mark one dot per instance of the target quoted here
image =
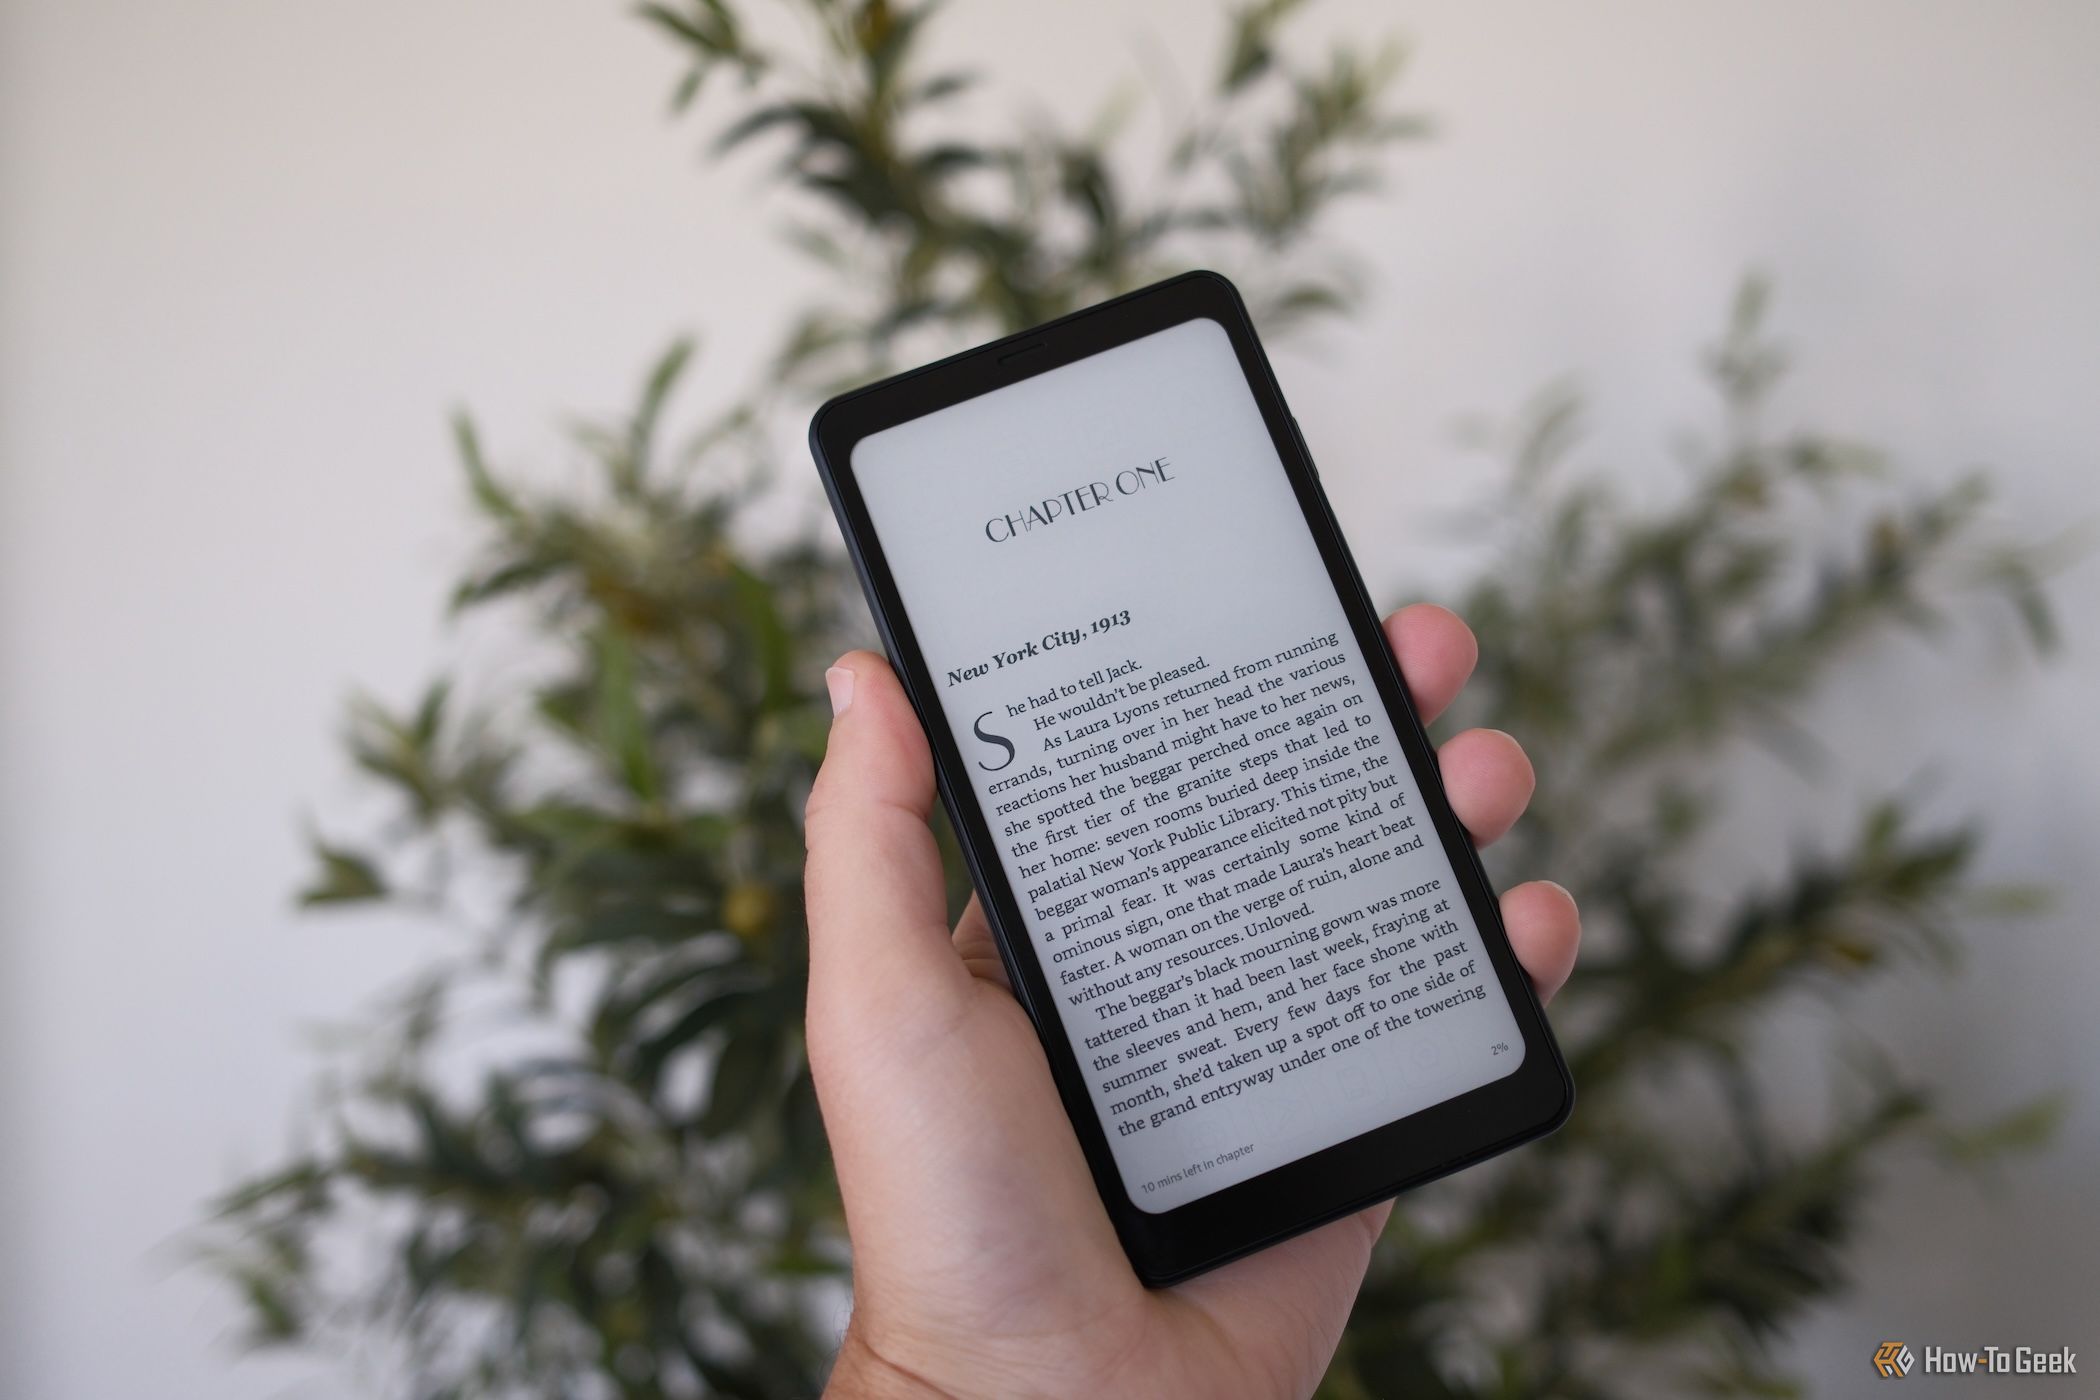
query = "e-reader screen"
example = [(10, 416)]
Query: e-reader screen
[(1254, 937)]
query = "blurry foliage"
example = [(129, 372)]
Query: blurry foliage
[(634, 1200), (940, 239), (1677, 1224)]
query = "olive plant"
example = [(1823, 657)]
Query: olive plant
[(629, 1194)]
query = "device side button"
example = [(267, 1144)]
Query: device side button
[(1299, 433)]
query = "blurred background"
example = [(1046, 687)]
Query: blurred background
[(253, 255)]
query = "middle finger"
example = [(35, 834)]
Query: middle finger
[(1488, 779)]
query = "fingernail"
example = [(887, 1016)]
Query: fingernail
[(839, 681)]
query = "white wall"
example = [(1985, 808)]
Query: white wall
[(251, 253)]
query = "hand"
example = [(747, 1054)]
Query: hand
[(983, 1262)]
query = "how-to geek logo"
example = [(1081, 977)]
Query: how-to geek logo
[(1893, 1361)]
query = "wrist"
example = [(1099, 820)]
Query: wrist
[(862, 1372)]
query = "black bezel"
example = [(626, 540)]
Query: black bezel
[(1168, 1246)]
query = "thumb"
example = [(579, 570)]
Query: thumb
[(881, 962)]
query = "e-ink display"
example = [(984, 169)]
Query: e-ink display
[(1255, 938)]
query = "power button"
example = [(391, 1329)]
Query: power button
[(1299, 433)]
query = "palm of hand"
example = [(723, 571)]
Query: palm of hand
[(983, 1261), (1022, 1256)]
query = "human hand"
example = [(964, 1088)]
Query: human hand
[(983, 1261)]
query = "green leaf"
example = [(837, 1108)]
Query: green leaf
[(1251, 51), (633, 468), (718, 1009), (2031, 1126), (345, 877), (622, 727), (747, 1075), (494, 501)]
